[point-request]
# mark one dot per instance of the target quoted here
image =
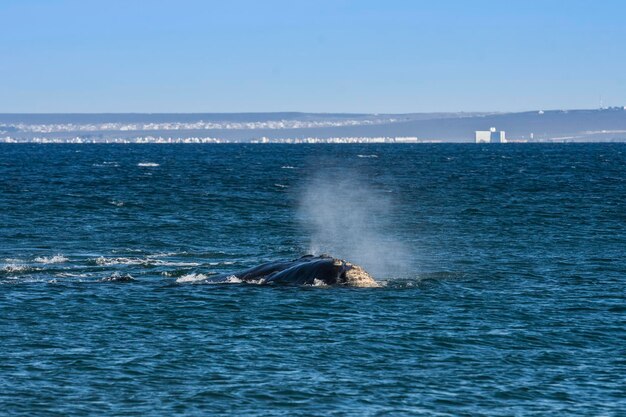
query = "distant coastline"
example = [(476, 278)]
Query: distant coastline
[(595, 125)]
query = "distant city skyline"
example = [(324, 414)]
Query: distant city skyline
[(325, 56), (608, 125)]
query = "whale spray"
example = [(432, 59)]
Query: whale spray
[(351, 219)]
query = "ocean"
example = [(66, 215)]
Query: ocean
[(503, 278)]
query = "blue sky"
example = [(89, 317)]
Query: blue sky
[(319, 56)]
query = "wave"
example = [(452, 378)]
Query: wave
[(106, 165), (167, 254), (15, 268), (230, 279), (71, 275), (191, 278), (14, 260), (222, 263), (117, 277), (102, 261), (56, 259), (148, 164), (368, 156), (318, 283)]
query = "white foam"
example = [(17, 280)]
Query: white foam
[(191, 278), (234, 280), (164, 254), (368, 156), (14, 268), (116, 261), (147, 164), (117, 203), (288, 167), (106, 165), (221, 263), (319, 283), (280, 185), (231, 279), (56, 259), (102, 261), (71, 275), (173, 263)]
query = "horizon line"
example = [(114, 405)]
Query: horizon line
[(314, 112)]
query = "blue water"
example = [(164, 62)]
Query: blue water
[(509, 297)]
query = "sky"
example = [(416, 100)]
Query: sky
[(365, 56)]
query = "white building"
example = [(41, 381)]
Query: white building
[(490, 136)]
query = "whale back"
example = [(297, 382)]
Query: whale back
[(310, 270)]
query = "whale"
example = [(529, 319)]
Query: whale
[(308, 270)]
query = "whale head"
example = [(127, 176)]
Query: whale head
[(353, 275)]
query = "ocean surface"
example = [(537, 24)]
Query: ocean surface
[(503, 271)]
